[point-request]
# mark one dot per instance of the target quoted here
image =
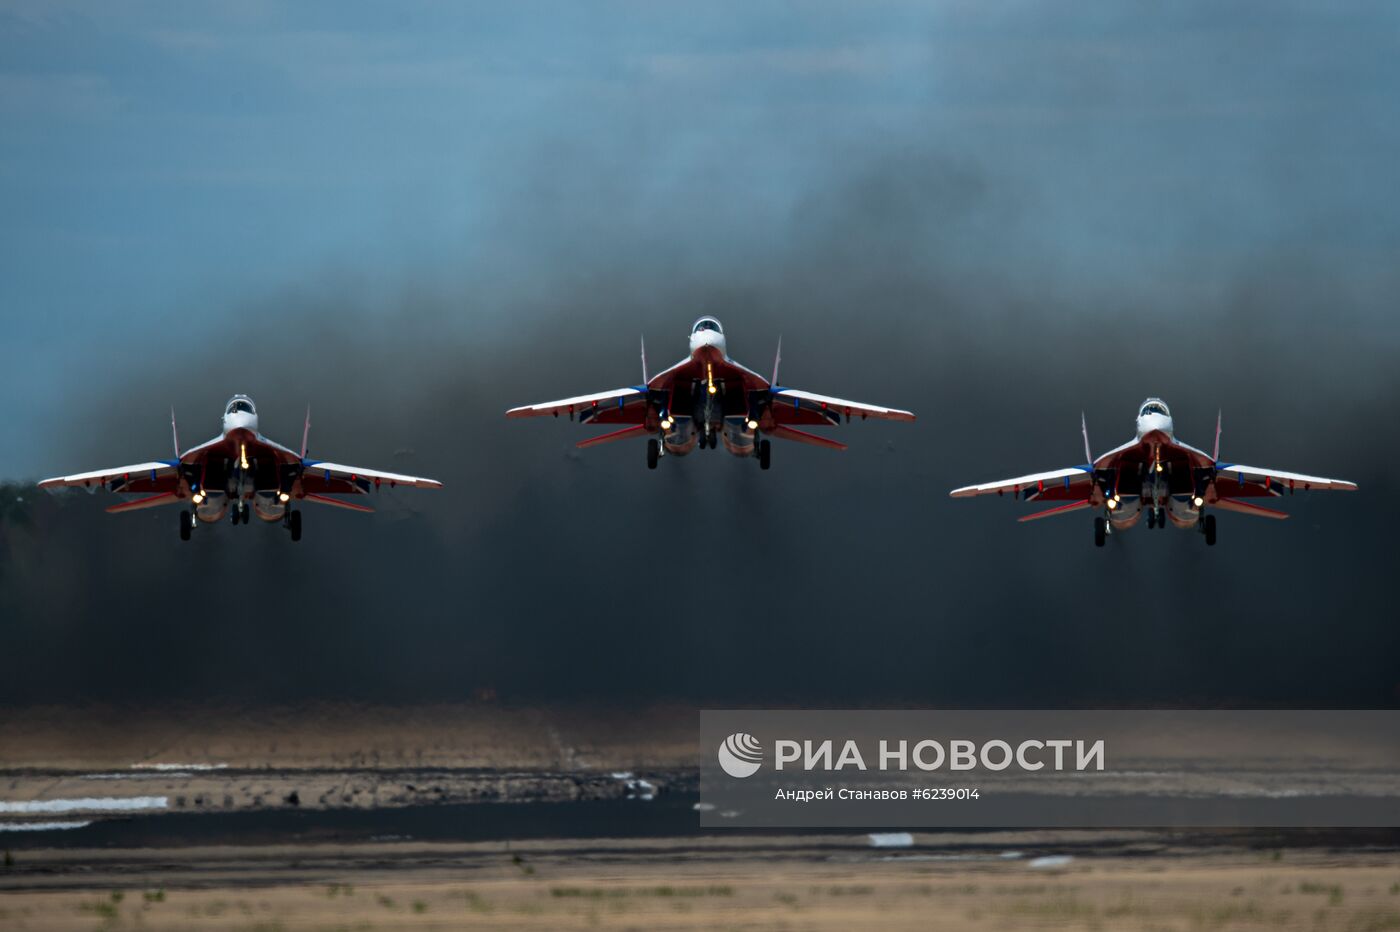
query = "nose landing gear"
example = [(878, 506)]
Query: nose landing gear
[(1100, 531), (1208, 529), (186, 524), (653, 453), (293, 522), (765, 454)]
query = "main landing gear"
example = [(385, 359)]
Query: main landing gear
[(186, 525)]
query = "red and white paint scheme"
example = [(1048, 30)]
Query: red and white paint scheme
[(1158, 476), (707, 397), (239, 473)]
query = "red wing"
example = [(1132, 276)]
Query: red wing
[(154, 501), (1058, 510), (801, 436), (1247, 508), (624, 434), (338, 503)]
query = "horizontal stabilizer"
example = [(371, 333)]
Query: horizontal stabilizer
[(1249, 508), (1052, 512), (338, 503), (151, 501), (637, 430), (801, 436)]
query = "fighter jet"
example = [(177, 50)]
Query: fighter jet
[(239, 473), (707, 397), (1158, 476)]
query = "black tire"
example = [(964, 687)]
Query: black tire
[(1210, 530), (294, 525), (1100, 531), (185, 525), (1151, 518), (1161, 517), (653, 452), (245, 513), (765, 454)]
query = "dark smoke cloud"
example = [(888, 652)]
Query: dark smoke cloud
[(903, 274), (547, 573)]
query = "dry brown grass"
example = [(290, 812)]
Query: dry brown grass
[(619, 888)]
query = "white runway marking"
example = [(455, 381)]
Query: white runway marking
[(40, 826), (86, 804)]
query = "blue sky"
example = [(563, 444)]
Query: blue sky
[(172, 173)]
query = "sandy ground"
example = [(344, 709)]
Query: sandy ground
[(835, 882)]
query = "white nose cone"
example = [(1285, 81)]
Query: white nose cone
[(740, 755), (706, 332), (240, 412), (1154, 415)]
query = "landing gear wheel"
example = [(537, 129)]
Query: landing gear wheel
[(1209, 528), (294, 525), (1100, 531), (1151, 518), (234, 512), (714, 439), (653, 452), (1161, 517), (765, 454), (186, 525), (245, 513)]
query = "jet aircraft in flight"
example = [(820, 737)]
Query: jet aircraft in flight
[(239, 473), (1158, 476), (708, 397)]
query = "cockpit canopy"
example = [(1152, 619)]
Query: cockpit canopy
[(1154, 406), (706, 323), (240, 404)]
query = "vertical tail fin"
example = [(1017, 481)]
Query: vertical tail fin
[(174, 433), (306, 432), (777, 361), (1084, 429), (646, 380), (1215, 454)]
